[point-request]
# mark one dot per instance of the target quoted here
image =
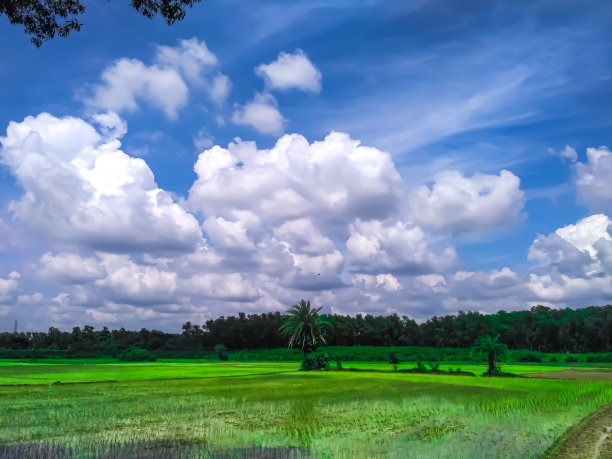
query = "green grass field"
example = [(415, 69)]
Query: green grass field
[(227, 408), (92, 370)]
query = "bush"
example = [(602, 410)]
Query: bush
[(529, 357), (600, 358), (498, 373), (137, 354), (421, 368), (434, 366), (393, 358), (315, 362), (571, 358)]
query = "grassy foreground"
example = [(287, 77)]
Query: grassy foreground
[(229, 407)]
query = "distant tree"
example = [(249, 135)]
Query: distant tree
[(394, 359), (304, 327), (221, 351), (45, 19), (492, 348), (106, 344)]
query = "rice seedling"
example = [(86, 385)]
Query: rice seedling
[(246, 410)]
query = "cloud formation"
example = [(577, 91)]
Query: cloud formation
[(568, 153), (593, 179), (580, 250), (164, 84), (291, 71), (70, 268), (261, 114), (127, 81), (8, 287), (394, 246), (334, 180), (191, 57), (330, 220), (462, 204), (81, 189)]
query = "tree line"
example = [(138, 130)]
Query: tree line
[(540, 329)]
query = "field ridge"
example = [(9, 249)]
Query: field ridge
[(581, 439)]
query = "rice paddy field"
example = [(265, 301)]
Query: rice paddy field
[(97, 408)]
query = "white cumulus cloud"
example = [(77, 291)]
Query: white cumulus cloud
[(460, 204), (129, 282), (8, 287), (291, 71), (395, 245), (191, 57), (336, 179), (323, 220), (261, 114), (70, 268), (593, 179), (125, 83), (580, 250), (81, 189)]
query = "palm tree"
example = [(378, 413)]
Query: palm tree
[(493, 349), (304, 327), (221, 351)]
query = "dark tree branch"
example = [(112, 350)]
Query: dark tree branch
[(45, 19)]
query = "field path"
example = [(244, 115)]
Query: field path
[(590, 438), (604, 437)]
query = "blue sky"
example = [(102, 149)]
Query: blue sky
[(379, 156)]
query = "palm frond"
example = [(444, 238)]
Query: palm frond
[(303, 325)]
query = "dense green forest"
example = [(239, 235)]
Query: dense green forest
[(540, 329)]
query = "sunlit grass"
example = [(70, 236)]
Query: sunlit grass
[(88, 370), (323, 413), (479, 369)]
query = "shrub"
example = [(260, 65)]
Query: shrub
[(421, 368), (498, 373), (137, 354), (600, 358), (553, 359), (529, 357), (571, 358), (393, 358), (434, 366), (315, 362)]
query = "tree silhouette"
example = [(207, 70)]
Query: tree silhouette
[(44, 19)]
